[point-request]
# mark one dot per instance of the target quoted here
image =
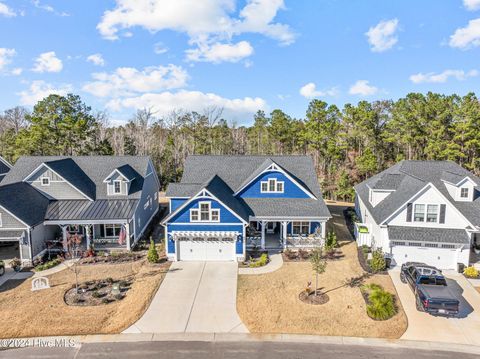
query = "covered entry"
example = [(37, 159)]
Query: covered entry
[(205, 246)]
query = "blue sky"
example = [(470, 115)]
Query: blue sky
[(123, 55)]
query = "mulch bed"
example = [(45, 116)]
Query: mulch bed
[(97, 292), (311, 298), (115, 257), (363, 263), (306, 257)]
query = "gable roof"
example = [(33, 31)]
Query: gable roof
[(409, 178), (24, 202), (237, 171), (86, 173)]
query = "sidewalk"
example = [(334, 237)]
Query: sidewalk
[(276, 262)]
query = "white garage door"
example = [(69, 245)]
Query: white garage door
[(441, 258), (206, 249)]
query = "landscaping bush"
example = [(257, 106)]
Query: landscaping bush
[(377, 263), (471, 272), (365, 250), (381, 304), (303, 254), (331, 241), (152, 255), (263, 260), (291, 255), (48, 265)]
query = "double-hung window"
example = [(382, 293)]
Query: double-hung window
[(272, 186), (112, 230), (205, 211), (300, 227), (117, 187), (419, 213), (432, 213)]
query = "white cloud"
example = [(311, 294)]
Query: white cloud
[(218, 52), (467, 37), (6, 56), (159, 48), (96, 59), (126, 81), (48, 8), (164, 103), (362, 88), (471, 5), (38, 90), (17, 71), (6, 11), (383, 36), (442, 77), (310, 91), (208, 23), (48, 62)]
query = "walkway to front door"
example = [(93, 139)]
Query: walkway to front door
[(195, 297)]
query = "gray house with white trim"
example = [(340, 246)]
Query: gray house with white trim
[(424, 211), (108, 201)]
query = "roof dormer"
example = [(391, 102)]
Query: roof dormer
[(460, 188), (119, 181)]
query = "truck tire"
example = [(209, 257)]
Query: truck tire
[(419, 305), (402, 278)]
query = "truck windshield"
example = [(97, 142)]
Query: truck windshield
[(432, 281)]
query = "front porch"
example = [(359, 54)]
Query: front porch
[(274, 234)]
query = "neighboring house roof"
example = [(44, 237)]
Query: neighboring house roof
[(4, 166), (409, 177), (24, 202), (91, 210), (226, 175), (439, 235), (86, 173)]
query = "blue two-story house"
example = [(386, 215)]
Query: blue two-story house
[(225, 204)]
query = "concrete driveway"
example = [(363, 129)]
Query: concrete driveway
[(423, 326), (195, 297)]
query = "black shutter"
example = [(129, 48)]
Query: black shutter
[(409, 212), (102, 231), (443, 207)]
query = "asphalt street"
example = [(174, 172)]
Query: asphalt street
[(227, 350)]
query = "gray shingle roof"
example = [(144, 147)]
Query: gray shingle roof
[(91, 210), (4, 166), (422, 234), (25, 202), (236, 171), (5, 235), (128, 172), (414, 176), (85, 172)]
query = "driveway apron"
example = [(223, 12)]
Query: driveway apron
[(195, 297)]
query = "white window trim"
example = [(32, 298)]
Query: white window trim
[(267, 182), (113, 225), (41, 181), (199, 213), (1, 220), (114, 191), (303, 224), (425, 213), (468, 192)]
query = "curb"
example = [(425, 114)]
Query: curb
[(279, 338)]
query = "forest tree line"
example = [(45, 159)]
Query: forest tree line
[(347, 144)]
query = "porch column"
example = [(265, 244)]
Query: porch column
[(263, 235), (324, 229), (284, 232), (127, 236), (88, 234), (64, 236)]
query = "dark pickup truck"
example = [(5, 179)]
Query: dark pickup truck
[(430, 287)]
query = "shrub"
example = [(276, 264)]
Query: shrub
[(152, 255), (377, 263), (263, 260), (96, 294), (471, 272), (331, 241), (290, 254), (381, 304), (303, 254), (48, 265)]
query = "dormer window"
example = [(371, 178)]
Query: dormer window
[(272, 186), (464, 192), (117, 187), (45, 181)]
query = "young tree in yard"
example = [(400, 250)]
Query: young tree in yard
[(74, 252), (152, 254), (319, 264)]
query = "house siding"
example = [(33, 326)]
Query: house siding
[(58, 188), (39, 234), (145, 212), (176, 202), (183, 216), (290, 189), (9, 221)]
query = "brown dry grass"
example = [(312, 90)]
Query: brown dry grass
[(269, 303), (43, 313), (478, 289)]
